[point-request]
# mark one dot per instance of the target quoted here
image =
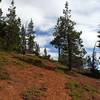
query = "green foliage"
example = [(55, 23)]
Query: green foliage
[(13, 28), (61, 68), (94, 73), (37, 49), (91, 89), (4, 75), (23, 40), (20, 64), (45, 52), (78, 90), (2, 32), (3, 60), (32, 60), (31, 44), (31, 28), (68, 40), (33, 93), (9, 30), (0, 13), (31, 36)]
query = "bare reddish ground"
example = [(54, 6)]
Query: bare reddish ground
[(21, 79), (52, 82)]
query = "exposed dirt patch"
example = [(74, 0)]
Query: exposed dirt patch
[(29, 82), (51, 83)]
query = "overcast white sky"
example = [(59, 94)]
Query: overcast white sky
[(86, 13)]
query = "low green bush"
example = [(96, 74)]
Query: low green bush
[(33, 93), (77, 90)]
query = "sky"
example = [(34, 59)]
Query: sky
[(86, 14)]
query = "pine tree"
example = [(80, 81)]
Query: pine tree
[(58, 35), (23, 40), (31, 44), (31, 36), (37, 49), (68, 40), (45, 52), (0, 13), (0, 16), (89, 61), (99, 39), (2, 31), (1, 40), (13, 28)]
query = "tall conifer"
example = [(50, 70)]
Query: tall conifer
[(68, 40), (13, 29)]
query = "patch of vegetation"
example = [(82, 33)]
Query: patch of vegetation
[(3, 61), (91, 73), (21, 64), (78, 90), (33, 93), (4, 75), (91, 89), (32, 60), (61, 69)]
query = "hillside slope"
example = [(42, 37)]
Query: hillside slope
[(32, 78)]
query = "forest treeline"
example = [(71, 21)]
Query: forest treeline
[(16, 37)]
